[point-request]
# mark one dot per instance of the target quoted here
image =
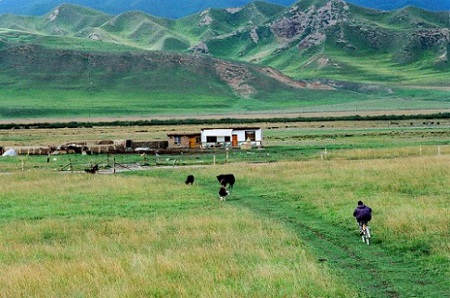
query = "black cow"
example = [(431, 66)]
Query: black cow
[(225, 179), (223, 193), (92, 170), (190, 179)]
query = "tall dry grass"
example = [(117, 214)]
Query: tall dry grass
[(409, 196), (80, 235), (387, 153)]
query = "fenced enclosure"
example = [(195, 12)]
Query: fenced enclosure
[(282, 142)]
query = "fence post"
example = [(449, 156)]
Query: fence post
[(114, 165)]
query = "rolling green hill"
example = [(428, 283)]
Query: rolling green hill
[(235, 60), (313, 38)]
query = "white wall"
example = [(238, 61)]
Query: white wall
[(220, 134), (241, 136)]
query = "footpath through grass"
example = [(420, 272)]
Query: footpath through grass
[(409, 256), (373, 270)]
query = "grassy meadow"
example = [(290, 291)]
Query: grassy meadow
[(146, 235), (36, 104), (286, 230)]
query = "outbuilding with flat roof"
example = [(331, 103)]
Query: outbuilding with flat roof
[(231, 137)]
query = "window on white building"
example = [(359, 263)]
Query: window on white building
[(250, 134), (211, 139)]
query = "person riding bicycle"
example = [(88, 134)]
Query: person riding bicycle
[(363, 214)]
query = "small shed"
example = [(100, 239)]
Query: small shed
[(184, 140), (231, 137)]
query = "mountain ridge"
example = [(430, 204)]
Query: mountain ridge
[(173, 9), (312, 35)]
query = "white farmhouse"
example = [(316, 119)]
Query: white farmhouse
[(231, 137)]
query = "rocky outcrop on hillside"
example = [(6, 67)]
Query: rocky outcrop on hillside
[(200, 48), (240, 78), (312, 26), (308, 24), (237, 77), (433, 37), (437, 39), (419, 41)]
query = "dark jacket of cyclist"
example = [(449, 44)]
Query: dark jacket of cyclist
[(362, 213)]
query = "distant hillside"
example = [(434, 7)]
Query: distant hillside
[(175, 9), (260, 56), (39, 81), (145, 71), (432, 5), (172, 9), (327, 39)]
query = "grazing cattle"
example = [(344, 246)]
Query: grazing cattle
[(223, 193), (225, 179), (92, 170), (189, 179)]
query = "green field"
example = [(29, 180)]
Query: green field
[(39, 105), (286, 230)]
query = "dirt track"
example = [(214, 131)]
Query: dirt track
[(376, 272)]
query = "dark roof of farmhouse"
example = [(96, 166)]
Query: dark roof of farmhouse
[(189, 134)]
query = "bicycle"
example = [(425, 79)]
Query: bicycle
[(365, 233)]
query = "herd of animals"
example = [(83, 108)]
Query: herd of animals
[(224, 179)]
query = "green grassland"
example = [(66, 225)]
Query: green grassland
[(88, 94), (285, 230), (20, 103), (149, 241)]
